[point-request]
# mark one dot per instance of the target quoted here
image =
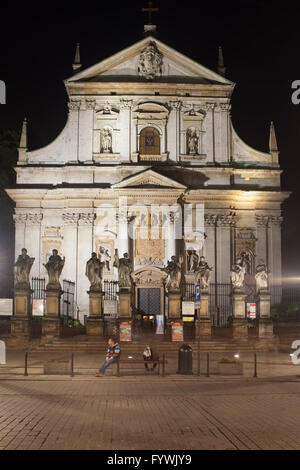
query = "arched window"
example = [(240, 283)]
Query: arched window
[(149, 141)]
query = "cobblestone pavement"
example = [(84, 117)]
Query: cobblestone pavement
[(176, 412)]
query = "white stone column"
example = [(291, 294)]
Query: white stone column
[(172, 236), (74, 106), (209, 249), (208, 132), (125, 129), (221, 116), (86, 126), (69, 245), (33, 241), (20, 220), (274, 249), (173, 130), (261, 247), (224, 256), (84, 250), (123, 241)]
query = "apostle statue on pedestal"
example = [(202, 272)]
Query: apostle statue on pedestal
[(193, 259), (238, 274), (22, 268), (125, 269), (203, 273), (94, 271), (262, 277), (54, 268), (173, 269)]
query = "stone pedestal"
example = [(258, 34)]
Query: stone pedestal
[(265, 324), (125, 304), (239, 323), (95, 323), (51, 321), (174, 305), (20, 322), (265, 328), (22, 297)]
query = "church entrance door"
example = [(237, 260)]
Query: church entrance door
[(149, 304)]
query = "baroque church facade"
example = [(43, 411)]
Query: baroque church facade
[(149, 164)]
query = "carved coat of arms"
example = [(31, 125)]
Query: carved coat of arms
[(150, 61)]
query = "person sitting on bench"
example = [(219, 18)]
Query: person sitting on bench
[(113, 352), (150, 355)]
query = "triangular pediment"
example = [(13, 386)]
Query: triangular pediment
[(170, 66), (148, 178)]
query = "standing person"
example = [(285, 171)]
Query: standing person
[(147, 355), (113, 353)]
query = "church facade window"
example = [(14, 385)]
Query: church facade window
[(149, 141)]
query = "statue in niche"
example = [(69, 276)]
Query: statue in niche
[(54, 268), (246, 261), (125, 269), (238, 274), (106, 140), (262, 277), (192, 141), (173, 269), (192, 260), (94, 270), (105, 257), (23, 266), (203, 273)]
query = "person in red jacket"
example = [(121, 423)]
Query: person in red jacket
[(113, 352)]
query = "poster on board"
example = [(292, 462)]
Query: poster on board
[(125, 331), (177, 331)]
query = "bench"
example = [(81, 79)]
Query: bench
[(116, 365)]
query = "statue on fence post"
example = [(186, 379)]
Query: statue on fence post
[(238, 274), (203, 274), (125, 269), (173, 269), (23, 266), (262, 277), (94, 272), (54, 268)]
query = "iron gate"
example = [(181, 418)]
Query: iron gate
[(220, 304), (68, 304), (149, 301)]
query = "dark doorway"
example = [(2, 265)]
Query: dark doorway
[(149, 301)]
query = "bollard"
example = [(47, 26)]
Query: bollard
[(26, 365), (72, 365), (255, 365), (163, 368), (207, 364)]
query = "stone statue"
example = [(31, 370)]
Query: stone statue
[(192, 142), (192, 260), (22, 268), (203, 274), (173, 269), (246, 261), (94, 270), (125, 269), (262, 277), (106, 141), (238, 274), (54, 268), (150, 61)]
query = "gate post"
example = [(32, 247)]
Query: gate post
[(239, 323), (95, 323)]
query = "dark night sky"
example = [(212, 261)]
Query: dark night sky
[(261, 46)]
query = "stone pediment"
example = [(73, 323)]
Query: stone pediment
[(149, 59), (148, 178)]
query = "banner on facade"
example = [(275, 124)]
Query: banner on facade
[(251, 310), (125, 331), (188, 309), (177, 331), (159, 324), (38, 307)]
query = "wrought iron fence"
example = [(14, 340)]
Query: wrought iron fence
[(38, 287), (110, 289), (220, 304)]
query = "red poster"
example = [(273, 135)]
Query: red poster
[(177, 331)]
